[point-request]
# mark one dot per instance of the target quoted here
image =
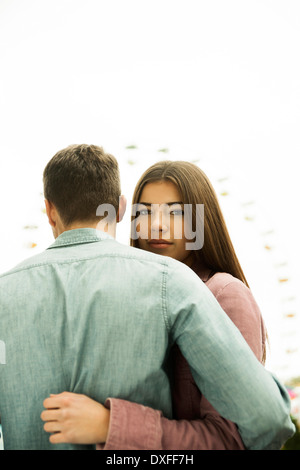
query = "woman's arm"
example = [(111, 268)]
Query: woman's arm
[(136, 427)]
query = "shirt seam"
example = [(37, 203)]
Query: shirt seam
[(164, 300), (72, 260), (224, 287), (78, 241)]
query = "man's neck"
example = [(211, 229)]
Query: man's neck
[(110, 229)]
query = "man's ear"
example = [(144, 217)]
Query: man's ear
[(50, 211), (122, 208)]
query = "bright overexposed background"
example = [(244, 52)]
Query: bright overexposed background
[(209, 81)]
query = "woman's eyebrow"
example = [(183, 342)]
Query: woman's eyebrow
[(168, 203)]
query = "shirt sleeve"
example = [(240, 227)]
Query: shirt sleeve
[(137, 427), (132, 426), (223, 366)]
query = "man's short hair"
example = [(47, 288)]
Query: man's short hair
[(78, 179)]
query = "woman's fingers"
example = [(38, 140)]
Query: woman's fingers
[(57, 438), (57, 401), (50, 415), (52, 426)]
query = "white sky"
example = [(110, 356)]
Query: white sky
[(216, 82)]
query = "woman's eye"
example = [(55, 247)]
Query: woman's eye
[(144, 212), (177, 212)]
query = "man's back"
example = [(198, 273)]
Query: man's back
[(85, 316)]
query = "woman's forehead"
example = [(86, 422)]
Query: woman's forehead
[(160, 192)]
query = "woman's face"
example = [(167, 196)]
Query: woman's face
[(160, 224)]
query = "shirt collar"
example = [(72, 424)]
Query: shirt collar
[(79, 236)]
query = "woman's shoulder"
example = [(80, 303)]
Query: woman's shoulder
[(230, 291), (235, 298), (217, 282), (227, 288)]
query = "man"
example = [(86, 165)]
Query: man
[(95, 317)]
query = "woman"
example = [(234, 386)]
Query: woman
[(160, 198)]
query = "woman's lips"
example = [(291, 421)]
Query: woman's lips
[(159, 243)]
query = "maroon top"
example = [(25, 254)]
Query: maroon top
[(198, 426)]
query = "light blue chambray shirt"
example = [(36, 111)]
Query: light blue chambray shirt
[(93, 316)]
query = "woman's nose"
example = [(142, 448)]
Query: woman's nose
[(159, 221)]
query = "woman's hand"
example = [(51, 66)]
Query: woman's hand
[(75, 419)]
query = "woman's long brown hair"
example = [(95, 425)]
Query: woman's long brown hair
[(217, 253)]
